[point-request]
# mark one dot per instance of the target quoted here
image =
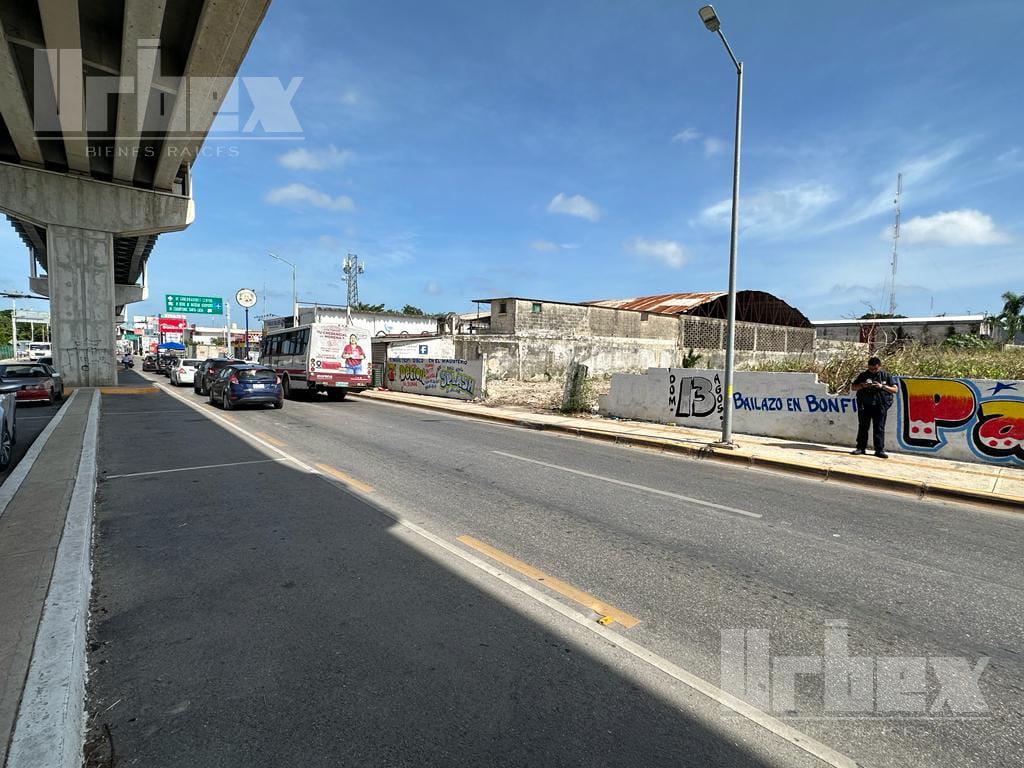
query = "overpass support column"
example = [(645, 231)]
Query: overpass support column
[(81, 277)]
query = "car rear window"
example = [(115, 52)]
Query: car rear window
[(22, 371), (191, 363), (257, 374)]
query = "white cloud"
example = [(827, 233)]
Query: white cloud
[(302, 159), (433, 288), (350, 97), (963, 227), (713, 146), (687, 135), (300, 193), (773, 211), (544, 245), (577, 205), (668, 252)]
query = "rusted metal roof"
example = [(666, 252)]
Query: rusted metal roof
[(751, 306), (662, 304)]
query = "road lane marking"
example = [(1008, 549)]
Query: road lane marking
[(603, 609), (614, 637), (634, 486), (127, 390), (337, 474), (192, 469), (269, 439), (611, 636), (220, 417)]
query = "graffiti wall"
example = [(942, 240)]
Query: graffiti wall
[(429, 376), (961, 419)]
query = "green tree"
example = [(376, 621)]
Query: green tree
[(1012, 316), (362, 306), (409, 309)]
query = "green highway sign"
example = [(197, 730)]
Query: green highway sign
[(194, 305)]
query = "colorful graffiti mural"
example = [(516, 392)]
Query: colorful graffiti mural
[(445, 378), (934, 411), (959, 419)]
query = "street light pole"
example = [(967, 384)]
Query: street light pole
[(711, 21), (295, 303)]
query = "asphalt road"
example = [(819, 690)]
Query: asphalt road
[(690, 549)]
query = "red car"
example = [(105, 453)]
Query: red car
[(39, 383)]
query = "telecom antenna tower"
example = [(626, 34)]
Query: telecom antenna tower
[(895, 243), (352, 269)]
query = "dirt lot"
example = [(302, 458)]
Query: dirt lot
[(541, 396)]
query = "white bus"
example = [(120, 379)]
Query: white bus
[(319, 357)]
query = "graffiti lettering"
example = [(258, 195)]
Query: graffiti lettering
[(452, 380), (741, 403), (412, 372), (999, 431), (932, 405), (830, 404), (696, 397)]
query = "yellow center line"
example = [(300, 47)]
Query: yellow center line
[(348, 480), (269, 439), (125, 390), (600, 607)]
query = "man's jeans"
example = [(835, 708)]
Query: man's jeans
[(865, 417)]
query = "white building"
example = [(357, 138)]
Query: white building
[(929, 330)]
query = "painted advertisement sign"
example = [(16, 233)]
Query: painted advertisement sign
[(986, 416), (962, 419), (458, 379)]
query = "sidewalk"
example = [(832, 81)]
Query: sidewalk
[(922, 476)]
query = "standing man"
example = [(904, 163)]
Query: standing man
[(874, 388)]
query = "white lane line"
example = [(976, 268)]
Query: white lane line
[(713, 692), (51, 717), (192, 469), (799, 739), (13, 482), (231, 425), (645, 488)]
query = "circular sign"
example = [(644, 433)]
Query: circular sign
[(246, 297)]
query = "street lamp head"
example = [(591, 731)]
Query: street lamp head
[(710, 18)]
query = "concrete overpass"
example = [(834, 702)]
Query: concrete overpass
[(104, 106)]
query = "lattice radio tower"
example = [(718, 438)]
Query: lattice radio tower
[(352, 269), (895, 244)]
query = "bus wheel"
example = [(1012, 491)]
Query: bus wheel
[(286, 388)]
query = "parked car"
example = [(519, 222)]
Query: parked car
[(8, 422), (168, 362), (185, 371), (37, 383), (246, 384), (207, 371), (149, 363)]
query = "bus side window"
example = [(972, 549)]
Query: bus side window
[(302, 344)]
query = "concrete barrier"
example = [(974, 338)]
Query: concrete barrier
[(977, 420)]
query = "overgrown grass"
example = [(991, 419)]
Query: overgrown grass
[(908, 360)]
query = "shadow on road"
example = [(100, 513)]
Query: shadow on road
[(257, 615)]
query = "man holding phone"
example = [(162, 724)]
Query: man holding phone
[(874, 388)]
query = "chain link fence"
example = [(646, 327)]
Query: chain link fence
[(709, 333)]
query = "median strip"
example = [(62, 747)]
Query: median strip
[(607, 613)]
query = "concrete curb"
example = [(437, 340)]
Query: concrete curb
[(916, 488), (50, 727)]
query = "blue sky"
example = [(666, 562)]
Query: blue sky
[(583, 150)]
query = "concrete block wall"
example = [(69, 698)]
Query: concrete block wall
[(960, 419)]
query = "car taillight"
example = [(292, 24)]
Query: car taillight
[(233, 380), (181, 370), (277, 379)]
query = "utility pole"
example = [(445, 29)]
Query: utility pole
[(352, 269)]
